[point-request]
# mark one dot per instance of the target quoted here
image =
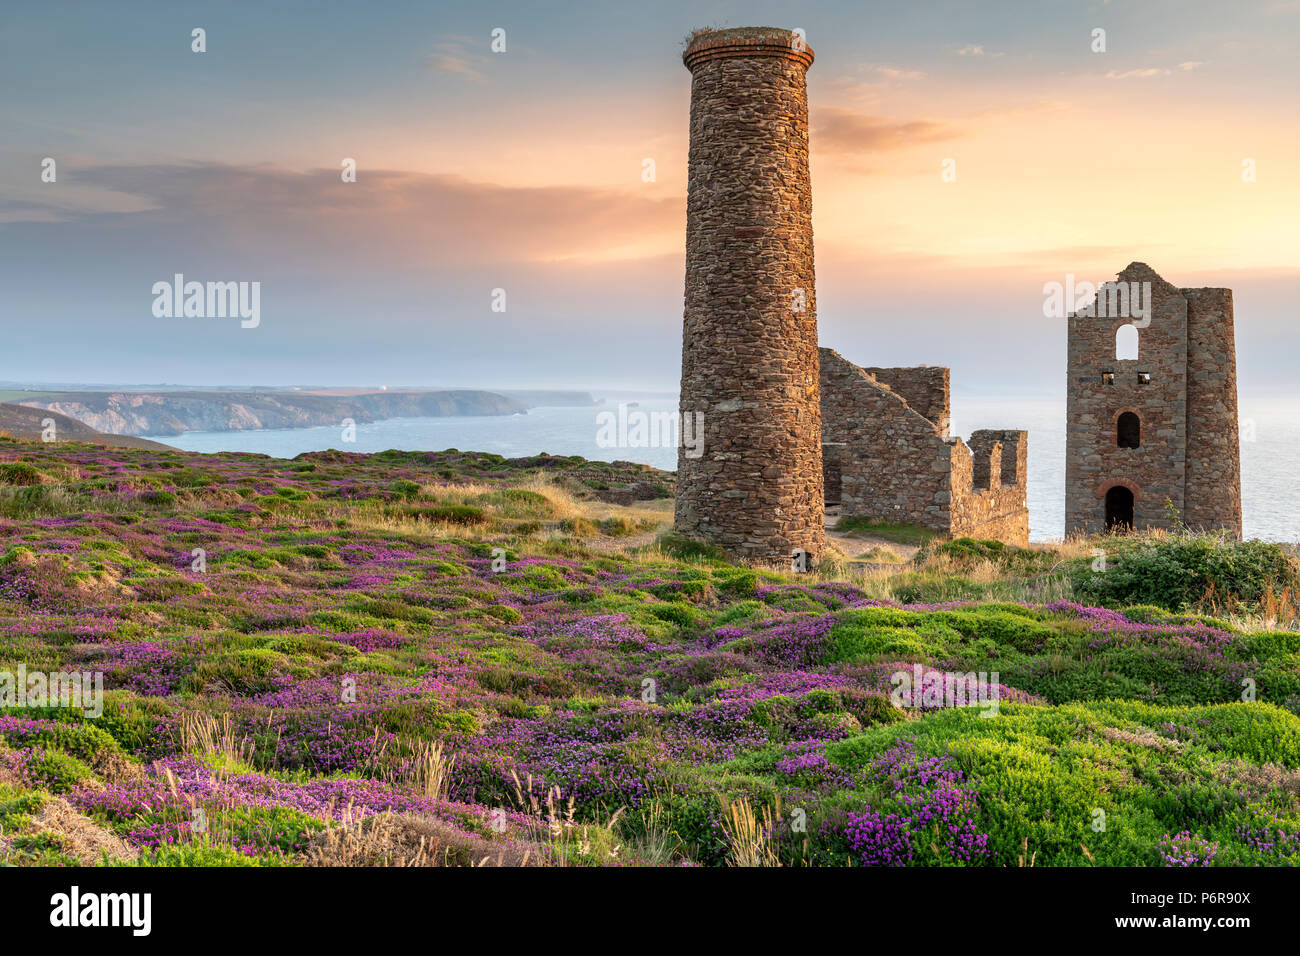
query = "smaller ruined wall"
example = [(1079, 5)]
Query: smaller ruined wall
[(925, 388), (989, 497), (894, 464)]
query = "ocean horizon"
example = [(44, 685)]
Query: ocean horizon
[(1270, 446)]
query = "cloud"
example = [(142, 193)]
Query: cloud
[(845, 131), (388, 278), (452, 56), (397, 217), (971, 50), (892, 73), (1150, 71)]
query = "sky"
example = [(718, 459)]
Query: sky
[(524, 170)]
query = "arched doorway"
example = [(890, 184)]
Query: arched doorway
[(1119, 509), (1128, 431)]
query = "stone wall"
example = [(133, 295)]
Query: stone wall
[(897, 466), (1212, 496), (990, 497), (749, 344), (925, 388), (1182, 387), (894, 464)]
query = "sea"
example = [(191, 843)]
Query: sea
[(625, 426)]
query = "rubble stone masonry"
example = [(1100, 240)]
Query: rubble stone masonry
[(899, 466), (1182, 388), (749, 345)]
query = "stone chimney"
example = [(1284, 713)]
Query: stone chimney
[(749, 345)]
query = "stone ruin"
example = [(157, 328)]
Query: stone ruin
[(1152, 439), (750, 363), (749, 343), (887, 455)]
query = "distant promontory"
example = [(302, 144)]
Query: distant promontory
[(176, 412)]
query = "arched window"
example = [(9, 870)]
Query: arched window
[(1126, 342), (1128, 431)]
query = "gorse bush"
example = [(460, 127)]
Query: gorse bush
[(1182, 571)]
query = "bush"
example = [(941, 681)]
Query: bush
[(689, 549), (196, 854), (972, 550), (578, 527), (453, 514), (54, 770), (20, 473), (1188, 571)]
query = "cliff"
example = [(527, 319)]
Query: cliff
[(173, 413), (28, 424)]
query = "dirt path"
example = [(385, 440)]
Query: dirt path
[(857, 545), (627, 542)]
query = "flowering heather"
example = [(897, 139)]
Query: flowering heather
[(935, 812), (290, 644), (1187, 849)]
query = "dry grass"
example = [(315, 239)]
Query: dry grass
[(79, 837), (214, 736), (431, 771), (392, 839), (748, 834), (1279, 611), (557, 834), (1024, 849), (658, 843)]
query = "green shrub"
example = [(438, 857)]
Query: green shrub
[(195, 854), (617, 527), (1188, 571), (579, 527), (56, 771), (683, 615), (20, 473), (1009, 557), (453, 514), (688, 549), (405, 488)]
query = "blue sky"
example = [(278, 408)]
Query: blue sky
[(522, 170)]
